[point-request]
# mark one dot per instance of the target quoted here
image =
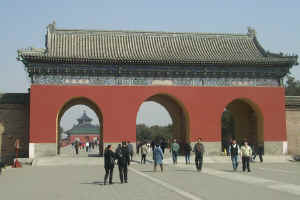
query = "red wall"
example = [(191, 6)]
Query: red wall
[(119, 106)]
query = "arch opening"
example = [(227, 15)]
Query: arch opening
[(242, 120), (87, 129), (177, 128)]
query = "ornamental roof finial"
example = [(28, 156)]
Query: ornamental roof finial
[(251, 31), (52, 27)]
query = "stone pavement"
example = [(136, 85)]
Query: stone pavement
[(84, 180)]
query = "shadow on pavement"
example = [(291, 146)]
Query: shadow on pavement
[(94, 155), (228, 170), (135, 161), (94, 183), (147, 171), (185, 170), (98, 183)]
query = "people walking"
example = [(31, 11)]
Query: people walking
[(109, 164), (152, 148), (199, 152), (187, 153), (87, 145), (175, 150), (93, 144), (259, 151), (76, 146), (234, 151), (130, 149), (144, 152), (163, 145), (246, 153), (158, 157), (122, 154)]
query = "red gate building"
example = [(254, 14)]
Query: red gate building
[(195, 76)]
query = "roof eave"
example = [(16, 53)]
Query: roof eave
[(70, 60)]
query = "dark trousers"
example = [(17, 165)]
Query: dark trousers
[(76, 150), (174, 154), (108, 172), (198, 162), (187, 158), (245, 161), (123, 170), (143, 159), (161, 167), (131, 155), (260, 157)]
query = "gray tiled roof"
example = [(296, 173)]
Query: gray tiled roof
[(136, 47)]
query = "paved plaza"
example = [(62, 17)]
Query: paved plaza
[(84, 180)]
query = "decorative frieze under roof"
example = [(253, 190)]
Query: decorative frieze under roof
[(152, 48)]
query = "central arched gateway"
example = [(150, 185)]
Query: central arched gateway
[(195, 76), (80, 101), (178, 114)]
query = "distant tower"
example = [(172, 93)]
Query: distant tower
[(84, 119)]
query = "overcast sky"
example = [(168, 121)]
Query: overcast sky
[(23, 24)]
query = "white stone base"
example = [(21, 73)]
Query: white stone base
[(275, 148), (37, 150)]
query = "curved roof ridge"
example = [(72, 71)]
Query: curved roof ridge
[(90, 31)]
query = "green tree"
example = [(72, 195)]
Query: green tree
[(292, 86), (156, 133)]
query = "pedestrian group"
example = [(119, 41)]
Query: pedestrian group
[(124, 153)]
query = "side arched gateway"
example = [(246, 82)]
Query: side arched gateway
[(242, 120), (80, 101)]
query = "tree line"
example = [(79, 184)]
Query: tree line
[(153, 133), (292, 86)]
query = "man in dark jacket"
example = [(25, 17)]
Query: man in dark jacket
[(130, 149), (259, 151), (187, 153), (109, 164), (76, 146), (123, 161), (199, 151), (234, 153)]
